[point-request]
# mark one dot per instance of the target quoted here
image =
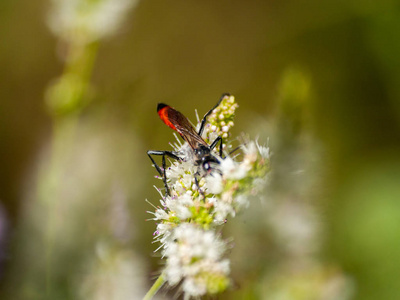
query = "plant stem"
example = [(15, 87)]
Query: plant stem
[(156, 286), (80, 64)]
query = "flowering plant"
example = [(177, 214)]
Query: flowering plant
[(190, 215)]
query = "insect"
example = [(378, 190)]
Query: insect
[(202, 152)]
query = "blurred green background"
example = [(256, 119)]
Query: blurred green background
[(320, 79)]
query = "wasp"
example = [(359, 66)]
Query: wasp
[(202, 153)]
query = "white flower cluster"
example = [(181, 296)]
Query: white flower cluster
[(195, 255), (188, 218), (221, 120)]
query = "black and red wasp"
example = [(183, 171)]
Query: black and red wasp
[(202, 152)]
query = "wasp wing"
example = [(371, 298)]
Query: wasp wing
[(181, 124)]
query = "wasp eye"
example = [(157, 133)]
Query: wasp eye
[(207, 166)]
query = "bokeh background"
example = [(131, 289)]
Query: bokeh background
[(317, 81)]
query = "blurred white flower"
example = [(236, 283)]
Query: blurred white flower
[(87, 20), (296, 226), (112, 274)]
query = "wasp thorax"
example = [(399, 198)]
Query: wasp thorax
[(201, 151)]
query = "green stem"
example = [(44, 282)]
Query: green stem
[(49, 184), (156, 286), (80, 65)]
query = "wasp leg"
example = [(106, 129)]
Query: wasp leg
[(212, 146), (201, 192), (159, 170), (204, 120)]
